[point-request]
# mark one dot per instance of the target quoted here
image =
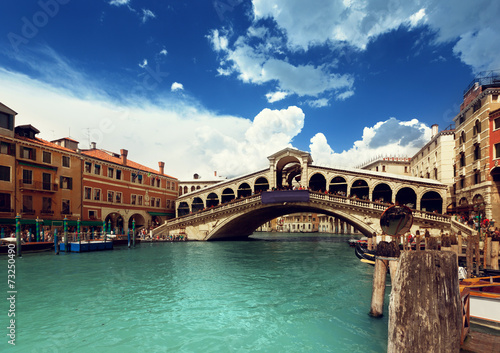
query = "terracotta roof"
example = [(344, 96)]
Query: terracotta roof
[(66, 138), (106, 156), (42, 142)]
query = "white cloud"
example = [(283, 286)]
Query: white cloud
[(163, 52), (471, 25), (319, 103), (385, 138), (202, 141), (119, 2), (255, 65), (143, 64), (276, 96), (176, 86), (147, 14)]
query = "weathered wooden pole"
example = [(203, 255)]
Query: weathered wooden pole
[(417, 240), (468, 255), (454, 244), (385, 250), (495, 246), (487, 251), (425, 307), (478, 253), (460, 242)]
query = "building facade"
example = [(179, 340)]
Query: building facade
[(47, 182), (393, 165), (435, 159), (475, 187)]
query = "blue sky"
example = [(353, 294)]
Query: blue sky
[(220, 85)]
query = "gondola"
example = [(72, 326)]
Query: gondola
[(365, 255)]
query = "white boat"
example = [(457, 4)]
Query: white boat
[(484, 300)]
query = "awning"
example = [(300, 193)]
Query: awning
[(91, 223), (161, 214)]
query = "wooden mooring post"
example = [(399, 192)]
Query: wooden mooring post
[(425, 306), (385, 252)]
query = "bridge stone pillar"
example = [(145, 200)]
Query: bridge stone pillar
[(304, 177)]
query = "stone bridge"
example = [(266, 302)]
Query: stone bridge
[(236, 207)]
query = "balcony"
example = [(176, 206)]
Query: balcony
[(37, 186), (6, 210), (66, 213), (47, 212)]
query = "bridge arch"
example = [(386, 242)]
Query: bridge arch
[(244, 190), (338, 186), (407, 196), (261, 184), (227, 195), (244, 224), (382, 192), (431, 201), (212, 199), (197, 204), (317, 182), (360, 189)]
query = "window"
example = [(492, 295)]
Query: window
[(28, 153), (97, 169), (153, 201), (496, 124), (27, 176), (158, 182), (4, 173), (92, 214), (66, 183), (462, 182), (118, 197), (139, 200), (406, 169), (7, 148), (133, 199), (497, 150), (47, 181), (118, 174), (477, 127), (65, 207), (168, 184), (111, 196), (66, 161), (97, 194), (383, 168), (462, 159), (47, 205), (28, 204), (462, 137), (6, 121), (435, 173), (158, 202), (152, 181), (376, 168), (139, 179), (111, 172), (5, 203), (477, 177), (46, 157), (88, 167), (477, 152), (87, 193), (133, 177)]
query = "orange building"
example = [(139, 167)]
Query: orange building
[(51, 181), (119, 191), (38, 178)]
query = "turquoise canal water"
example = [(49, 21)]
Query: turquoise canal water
[(295, 293)]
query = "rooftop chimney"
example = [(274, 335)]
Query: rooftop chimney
[(215, 173), (124, 154), (435, 129), (162, 167), (93, 145)]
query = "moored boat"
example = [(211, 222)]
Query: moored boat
[(484, 300), (26, 247), (365, 255)]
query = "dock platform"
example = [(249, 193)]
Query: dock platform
[(481, 342), (86, 246)]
